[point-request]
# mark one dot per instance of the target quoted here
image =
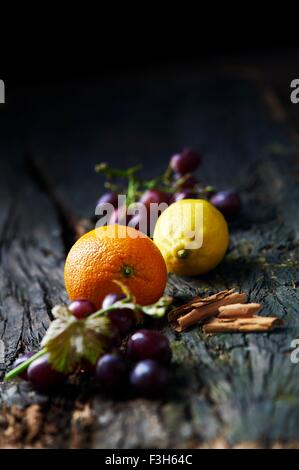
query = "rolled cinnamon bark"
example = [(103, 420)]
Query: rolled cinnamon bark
[(239, 325), (197, 302), (239, 310), (206, 310)]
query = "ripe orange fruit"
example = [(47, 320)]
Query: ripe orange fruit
[(103, 255)]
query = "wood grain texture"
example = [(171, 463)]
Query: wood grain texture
[(226, 389)]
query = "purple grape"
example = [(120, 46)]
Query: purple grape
[(109, 197), (227, 202), (185, 162), (110, 299), (154, 196), (141, 223), (114, 339), (19, 361), (149, 344), (149, 378), (112, 372), (189, 182), (186, 194), (81, 308), (122, 319), (42, 375)]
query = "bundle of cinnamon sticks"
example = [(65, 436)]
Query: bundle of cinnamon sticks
[(223, 312)]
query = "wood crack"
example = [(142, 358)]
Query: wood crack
[(71, 226)]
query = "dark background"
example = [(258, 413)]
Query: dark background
[(125, 96), (130, 96)]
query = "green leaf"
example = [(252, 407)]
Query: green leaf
[(100, 325), (94, 342), (68, 340), (61, 311), (158, 309), (61, 343)]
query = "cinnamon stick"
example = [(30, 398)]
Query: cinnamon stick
[(197, 302), (239, 310), (238, 325), (206, 309)]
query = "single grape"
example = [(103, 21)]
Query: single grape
[(149, 378), (146, 222), (101, 208), (186, 194), (122, 319), (143, 223), (227, 202), (110, 299), (154, 196), (81, 308), (185, 162), (42, 375), (112, 372), (149, 344), (19, 361), (109, 197)]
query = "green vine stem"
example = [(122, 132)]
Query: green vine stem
[(22, 367), (134, 186)]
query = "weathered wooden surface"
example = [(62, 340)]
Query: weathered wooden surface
[(227, 389)]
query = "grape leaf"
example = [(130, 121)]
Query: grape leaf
[(61, 311), (68, 339), (96, 333), (158, 309)]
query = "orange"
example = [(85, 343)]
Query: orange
[(103, 255)]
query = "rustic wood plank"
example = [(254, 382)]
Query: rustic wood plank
[(31, 280), (233, 387)]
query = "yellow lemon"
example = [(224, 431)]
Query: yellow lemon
[(192, 236)]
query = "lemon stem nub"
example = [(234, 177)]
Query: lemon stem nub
[(182, 254), (128, 271)]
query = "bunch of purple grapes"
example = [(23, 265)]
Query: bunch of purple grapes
[(176, 184), (141, 368)]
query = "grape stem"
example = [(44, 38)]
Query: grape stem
[(101, 312), (22, 367)]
